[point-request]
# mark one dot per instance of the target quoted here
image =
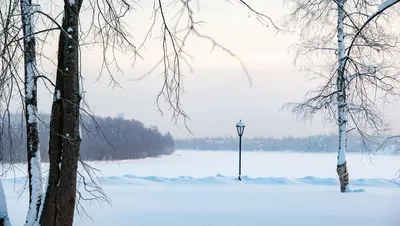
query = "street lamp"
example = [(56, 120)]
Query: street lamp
[(240, 130)]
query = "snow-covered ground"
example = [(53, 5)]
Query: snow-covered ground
[(195, 188)]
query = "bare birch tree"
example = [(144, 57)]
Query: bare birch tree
[(17, 19), (362, 78), (32, 134)]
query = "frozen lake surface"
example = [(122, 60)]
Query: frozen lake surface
[(199, 188)]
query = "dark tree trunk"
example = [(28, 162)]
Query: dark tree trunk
[(65, 139), (71, 139), (343, 177), (55, 144)]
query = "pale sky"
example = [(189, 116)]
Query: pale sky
[(218, 93)]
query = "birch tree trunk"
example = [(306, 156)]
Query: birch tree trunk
[(365, 68), (32, 135), (65, 138), (341, 102)]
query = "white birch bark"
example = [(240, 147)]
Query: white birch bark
[(341, 86), (341, 102), (34, 163)]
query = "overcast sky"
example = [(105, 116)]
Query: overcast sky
[(218, 92)]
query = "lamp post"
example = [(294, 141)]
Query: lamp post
[(240, 130)]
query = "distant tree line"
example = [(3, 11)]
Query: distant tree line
[(317, 143), (103, 138)]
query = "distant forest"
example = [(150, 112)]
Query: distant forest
[(318, 143), (103, 138)]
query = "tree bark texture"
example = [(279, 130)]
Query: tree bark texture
[(341, 101), (65, 138), (343, 177), (32, 134)]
